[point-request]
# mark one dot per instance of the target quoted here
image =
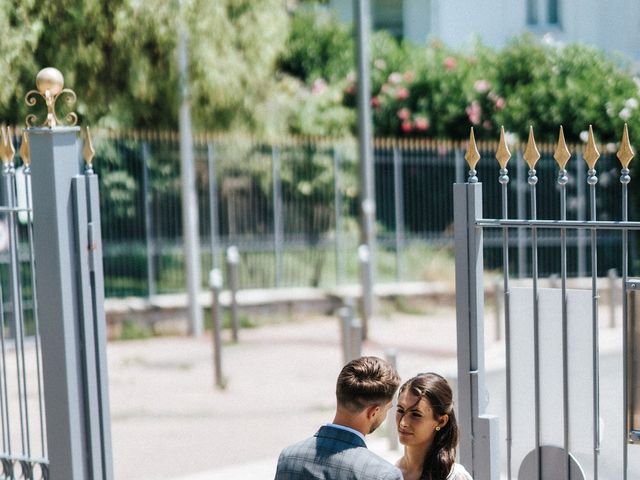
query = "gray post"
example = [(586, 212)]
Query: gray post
[(70, 286), (215, 283), (189, 197), (148, 222), (460, 163), (392, 431), (277, 214), (355, 337), (338, 214), (345, 315), (398, 195), (362, 13), (479, 443), (233, 258), (213, 206), (366, 280), (612, 275)]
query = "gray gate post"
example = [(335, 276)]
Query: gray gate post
[(479, 443), (69, 277)]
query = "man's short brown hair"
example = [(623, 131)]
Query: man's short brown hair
[(366, 381)]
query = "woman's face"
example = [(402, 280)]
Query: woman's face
[(416, 420)]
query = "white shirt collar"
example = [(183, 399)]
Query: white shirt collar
[(348, 429)]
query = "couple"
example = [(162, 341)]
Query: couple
[(365, 389)]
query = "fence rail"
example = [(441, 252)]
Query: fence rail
[(290, 207)]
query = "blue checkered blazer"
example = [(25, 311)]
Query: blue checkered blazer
[(333, 454)]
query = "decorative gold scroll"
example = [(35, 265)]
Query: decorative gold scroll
[(625, 153), (591, 153), (472, 156), (503, 154), (531, 153), (562, 153), (50, 87)]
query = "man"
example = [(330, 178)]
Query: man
[(364, 392)]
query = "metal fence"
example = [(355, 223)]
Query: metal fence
[(290, 207), (564, 406)]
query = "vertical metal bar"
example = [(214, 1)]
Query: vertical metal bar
[(592, 180), (213, 205), (562, 182), (581, 214), (337, 203), (6, 423), (612, 276), (148, 220), (504, 181), (391, 355), (233, 259), (533, 180), (277, 213), (625, 178), (398, 193), (16, 306), (521, 193)]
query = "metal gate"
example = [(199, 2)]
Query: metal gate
[(561, 408), (54, 406)]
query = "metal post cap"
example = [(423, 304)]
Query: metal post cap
[(49, 79)]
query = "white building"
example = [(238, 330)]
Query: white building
[(613, 25)]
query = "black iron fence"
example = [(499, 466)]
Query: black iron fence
[(291, 209)]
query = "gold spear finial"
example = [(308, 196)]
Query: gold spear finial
[(8, 150), (531, 153), (503, 154), (472, 156), (25, 154), (49, 84), (3, 144), (562, 153), (625, 153), (591, 153), (88, 151)]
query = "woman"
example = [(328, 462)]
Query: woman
[(428, 429)]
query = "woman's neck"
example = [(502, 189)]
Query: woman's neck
[(412, 462)]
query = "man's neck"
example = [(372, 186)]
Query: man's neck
[(350, 421)]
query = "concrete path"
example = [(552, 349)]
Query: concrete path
[(169, 422)]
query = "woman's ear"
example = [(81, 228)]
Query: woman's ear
[(443, 420)]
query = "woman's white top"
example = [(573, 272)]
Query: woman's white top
[(458, 472)]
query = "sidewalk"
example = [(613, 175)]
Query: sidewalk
[(169, 422)]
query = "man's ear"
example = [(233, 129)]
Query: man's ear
[(372, 411)]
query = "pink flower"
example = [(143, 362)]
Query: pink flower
[(395, 78), (318, 86), (404, 114), (500, 103), (487, 124), (385, 88), (408, 76), (481, 86), (474, 112), (450, 63), (375, 102), (422, 123), (402, 93), (406, 126), (380, 64)]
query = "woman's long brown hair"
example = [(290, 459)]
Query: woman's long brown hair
[(442, 455)]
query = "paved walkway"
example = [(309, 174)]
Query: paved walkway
[(169, 422)]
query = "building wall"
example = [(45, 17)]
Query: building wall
[(613, 25)]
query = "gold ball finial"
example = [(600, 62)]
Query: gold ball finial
[(49, 79)]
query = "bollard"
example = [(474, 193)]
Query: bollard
[(233, 259), (498, 296), (612, 275), (366, 280), (346, 315), (215, 283), (392, 431), (355, 337)]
